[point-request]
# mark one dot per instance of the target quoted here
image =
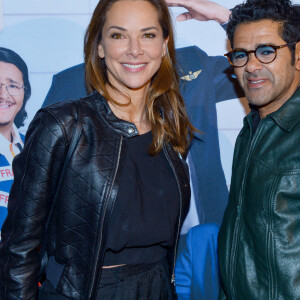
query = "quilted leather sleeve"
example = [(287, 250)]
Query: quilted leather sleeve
[(36, 170)]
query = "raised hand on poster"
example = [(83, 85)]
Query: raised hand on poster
[(201, 10)]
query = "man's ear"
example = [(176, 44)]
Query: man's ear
[(297, 56), (101, 51)]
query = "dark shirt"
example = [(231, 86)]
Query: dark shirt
[(255, 119), (146, 210)]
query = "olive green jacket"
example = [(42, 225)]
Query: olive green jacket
[(259, 239)]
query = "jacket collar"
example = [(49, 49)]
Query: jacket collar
[(123, 127), (288, 115)]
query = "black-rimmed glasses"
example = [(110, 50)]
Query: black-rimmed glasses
[(265, 54), (13, 89)]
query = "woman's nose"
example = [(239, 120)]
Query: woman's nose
[(135, 47)]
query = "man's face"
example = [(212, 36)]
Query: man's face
[(10, 105), (267, 86)]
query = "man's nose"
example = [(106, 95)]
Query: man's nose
[(253, 64), (3, 90)]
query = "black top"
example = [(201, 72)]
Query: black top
[(146, 210)]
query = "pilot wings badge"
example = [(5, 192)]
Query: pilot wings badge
[(191, 76)]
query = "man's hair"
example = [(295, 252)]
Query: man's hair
[(281, 11), (11, 57)]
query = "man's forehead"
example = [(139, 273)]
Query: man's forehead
[(10, 71), (253, 34)]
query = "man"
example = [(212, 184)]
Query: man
[(205, 81), (259, 239), (14, 92)]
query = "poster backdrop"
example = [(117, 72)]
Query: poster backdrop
[(1, 14), (48, 35)]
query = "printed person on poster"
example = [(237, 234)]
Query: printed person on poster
[(15, 91)]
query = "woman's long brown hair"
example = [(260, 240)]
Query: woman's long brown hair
[(165, 105)]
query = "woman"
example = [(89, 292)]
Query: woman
[(125, 190), (14, 93)]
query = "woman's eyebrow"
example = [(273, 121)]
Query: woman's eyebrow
[(117, 27), (149, 28), (124, 29)]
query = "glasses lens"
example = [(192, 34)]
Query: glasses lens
[(14, 89), (238, 58), (265, 54)]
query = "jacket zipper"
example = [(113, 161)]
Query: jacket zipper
[(239, 211), (114, 177), (179, 218), (271, 280), (273, 291)]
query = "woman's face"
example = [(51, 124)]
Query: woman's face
[(11, 92), (132, 44)]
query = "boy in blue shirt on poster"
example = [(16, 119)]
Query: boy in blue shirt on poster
[(15, 91)]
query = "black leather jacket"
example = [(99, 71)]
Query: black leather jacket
[(78, 228)]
